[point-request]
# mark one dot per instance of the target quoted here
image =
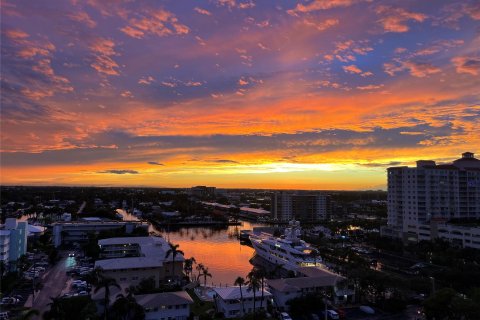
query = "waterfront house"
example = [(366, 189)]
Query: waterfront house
[(228, 300), (166, 305), (310, 281), (157, 306)]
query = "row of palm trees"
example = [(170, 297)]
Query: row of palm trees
[(174, 251), (255, 281)]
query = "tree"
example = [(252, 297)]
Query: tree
[(260, 274), (146, 285), (173, 251), (127, 308), (448, 304), (56, 309), (205, 274), (199, 268), (188, 266), (28, 314), (253, 285), (106, 283), (240, 282)]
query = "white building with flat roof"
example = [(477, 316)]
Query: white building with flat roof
[(77, 231), (132, 259), (423, 199), (228, 300)]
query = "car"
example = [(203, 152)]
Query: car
[(285, 316), (71, 254), (331, 314), (9, 300), (367, 309), (4, 315)]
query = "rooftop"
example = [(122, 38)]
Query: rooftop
[(233, 293), (152, 249), (315, 277), (130, 263), (163, 299)]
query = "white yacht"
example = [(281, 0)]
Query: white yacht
[(288, 250)]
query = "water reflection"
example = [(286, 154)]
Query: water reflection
[(218, 249)]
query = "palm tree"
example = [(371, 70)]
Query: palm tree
[(188, 266), (205, 274), (173, 251), (253, 285), (127, 308), (106, 283), (199, 268), (240, 282), (261, 274)]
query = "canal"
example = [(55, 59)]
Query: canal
[(217, 249)]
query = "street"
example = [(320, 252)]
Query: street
[(54, 283)]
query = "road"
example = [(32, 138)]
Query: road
[(55, 282)]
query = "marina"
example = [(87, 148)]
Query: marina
[(219, 249)]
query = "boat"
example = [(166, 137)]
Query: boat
[(289, 250)]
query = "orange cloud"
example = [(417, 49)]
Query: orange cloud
[(202, 11), (317, 5), (465, 64), (352, 69), (83, 17), (321, 26), (156, 22), (104, 50), (395, 19)]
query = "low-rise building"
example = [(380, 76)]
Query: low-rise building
[(229, 300), (132, 259), (78, 231), (157, 306), (311, 281), (166, 305)]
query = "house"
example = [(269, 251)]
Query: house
[(310, 281), (228, 300), (165, 305)]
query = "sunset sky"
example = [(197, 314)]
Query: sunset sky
[(319, 94)]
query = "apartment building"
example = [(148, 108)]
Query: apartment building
[(423, 200), (299, 205), (69, 232), (132, 259), (13, 241)]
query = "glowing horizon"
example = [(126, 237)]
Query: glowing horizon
[(242, 94)]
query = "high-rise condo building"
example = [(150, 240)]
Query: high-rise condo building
[(302, 206), (427, 201)]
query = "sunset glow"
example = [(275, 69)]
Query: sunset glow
[(235, 93)]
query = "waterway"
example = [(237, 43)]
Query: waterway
[(217, 249)]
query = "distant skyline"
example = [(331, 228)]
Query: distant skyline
[(249, 94)]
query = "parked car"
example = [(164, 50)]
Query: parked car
[(9, 300), (331, 314), (367, 309), (285, 316)]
